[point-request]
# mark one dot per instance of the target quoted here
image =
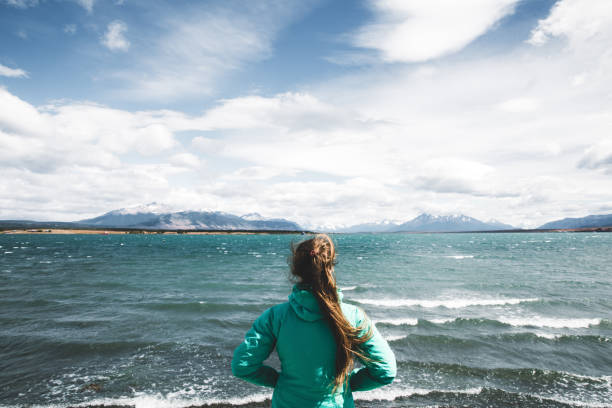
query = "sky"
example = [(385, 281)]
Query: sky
[(324, 112)]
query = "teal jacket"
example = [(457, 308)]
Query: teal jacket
[(306, 348)]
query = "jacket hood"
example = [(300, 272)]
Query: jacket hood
[(304, 304)]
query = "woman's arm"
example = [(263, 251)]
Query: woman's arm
[(249, 356), (380, 368)]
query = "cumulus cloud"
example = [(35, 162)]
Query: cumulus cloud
[(456, 175), (520, 136), (187, 160), (12, 72), (258, 173), (412, 30), (580, 21), (206, 145), (77, 133), (70, 159), (114, 37), (598, 156)]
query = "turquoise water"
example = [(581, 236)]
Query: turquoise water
[(152, 320)]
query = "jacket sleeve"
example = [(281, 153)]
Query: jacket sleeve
[(249, 356), (380, 367)]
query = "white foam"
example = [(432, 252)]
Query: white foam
[(347, 288), (410, 321), (389, 394), (553, 322), (548, 336), (172, 400), (448, 303), (459, 256), (585, 404), (443, 321), (395, 338)]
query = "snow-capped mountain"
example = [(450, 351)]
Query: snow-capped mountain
[(150, 208), (430, 223), (157, 216), (127, 217), (253, 217), (448, 223)]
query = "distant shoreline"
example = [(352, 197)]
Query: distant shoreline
[(120, 231)]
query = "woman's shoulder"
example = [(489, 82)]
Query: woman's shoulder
[(273, 316), (354, 314)]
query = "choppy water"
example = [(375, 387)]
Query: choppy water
[(151, 320)]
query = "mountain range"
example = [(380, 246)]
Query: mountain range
[(431, 223), (591, 221), (156, 216), (159, 216)]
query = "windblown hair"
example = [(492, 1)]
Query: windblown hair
[(312, 262)]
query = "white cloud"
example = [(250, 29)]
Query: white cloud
[(198, 47), (12, 72), (21, 3), (86, 4), (114, 37), (580, 21), (78, 133), (519, 105), (520, 136), (413, 30), (187, 160), (258, 173), (70, 29), (598, 156), (456, 175), (206, 145)]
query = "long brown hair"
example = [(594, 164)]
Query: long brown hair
[(313, 262)]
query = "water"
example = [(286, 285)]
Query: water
[(152, 320)]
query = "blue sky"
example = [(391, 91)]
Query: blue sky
[(325, 112)]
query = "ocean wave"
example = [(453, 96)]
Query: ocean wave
[(358, 288), (409, 321), (201, 306), (172, 400), (391, 338), (531, 376), (474, 396), (534, 321), (446, 303), (459, 256), (497, 340), (455, 321), (551, 322), (391, 394)]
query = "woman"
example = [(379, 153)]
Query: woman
[(317, 338)]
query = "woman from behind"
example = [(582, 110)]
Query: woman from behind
[(317, 337)]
